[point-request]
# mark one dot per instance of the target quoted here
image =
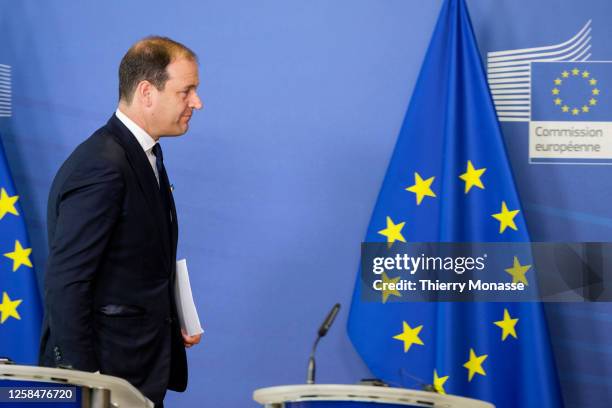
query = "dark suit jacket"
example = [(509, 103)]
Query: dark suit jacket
[(109, 302)]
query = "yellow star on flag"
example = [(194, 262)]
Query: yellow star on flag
[(388, 292), (585, 109), (565, 74), (393, 232), (565, 108), (20, 256), (595, 91), (558, 101), (508, 325), (421, 188), (7, 204), (8, 308), (506, 218), (575, 111), (474, 364), (438, 383), (558, 81), (472, 177), (575, 71), (592, 101), (409, 336), (593, 81), (555, 91), (518, 272), (585, 74)]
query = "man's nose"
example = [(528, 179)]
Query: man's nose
[(196, 102)]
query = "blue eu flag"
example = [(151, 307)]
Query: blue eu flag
[(20, 309), (449, 180)]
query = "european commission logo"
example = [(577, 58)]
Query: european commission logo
[(574, 91), (5, 91), (564, 96)]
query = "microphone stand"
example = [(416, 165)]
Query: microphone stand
[(310, 378)]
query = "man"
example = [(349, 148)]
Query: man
[(112, 228)]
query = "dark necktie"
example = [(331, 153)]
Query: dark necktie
[(164, 184)]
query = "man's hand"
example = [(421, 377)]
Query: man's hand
[(189, 341)]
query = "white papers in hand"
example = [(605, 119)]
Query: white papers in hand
[(187, 313)]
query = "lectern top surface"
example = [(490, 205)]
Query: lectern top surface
[(363, 393), (123, 394)]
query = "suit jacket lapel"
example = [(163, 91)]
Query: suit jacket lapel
[(148, 184)]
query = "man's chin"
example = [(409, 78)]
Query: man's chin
[(184, 127)]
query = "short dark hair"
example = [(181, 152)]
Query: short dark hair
[(147, 61)]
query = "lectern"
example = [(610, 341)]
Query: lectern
[(30, 386), (358, 396)]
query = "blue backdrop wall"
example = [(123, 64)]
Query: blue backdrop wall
[(276, 179)]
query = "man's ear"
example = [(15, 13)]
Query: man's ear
[(144, 93)]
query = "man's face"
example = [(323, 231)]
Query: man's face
[(172, 108)]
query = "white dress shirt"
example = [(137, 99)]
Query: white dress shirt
[(145, 141)]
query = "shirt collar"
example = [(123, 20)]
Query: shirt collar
[(144, 139)]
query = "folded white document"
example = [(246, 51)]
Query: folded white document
[(187, 313)]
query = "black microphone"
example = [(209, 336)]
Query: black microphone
[(329, 320)]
